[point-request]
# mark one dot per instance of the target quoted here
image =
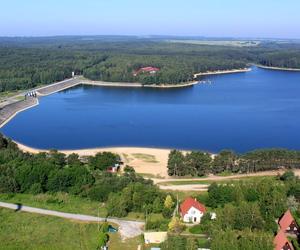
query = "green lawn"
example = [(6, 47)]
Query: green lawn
[(207, 182), (20, 230), (65, 203), (60, 202)]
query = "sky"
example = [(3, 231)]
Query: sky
[(210, 18)]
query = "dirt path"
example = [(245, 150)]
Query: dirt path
[(203, 187), (127, 229)]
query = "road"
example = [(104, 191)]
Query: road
[(163, 183), (127, 229)]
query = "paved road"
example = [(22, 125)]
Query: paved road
[(127, 229)]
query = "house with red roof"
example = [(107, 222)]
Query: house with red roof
[(281, 242), (191, 211), (288, 224), (150, 70)]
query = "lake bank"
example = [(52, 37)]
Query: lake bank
[(220, 72), (277, 68), (136, 85)]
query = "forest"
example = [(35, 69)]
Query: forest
[(246, 209), (55, 172), (28, 62), (198, 163)]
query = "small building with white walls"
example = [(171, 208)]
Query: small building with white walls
[(191, 211)]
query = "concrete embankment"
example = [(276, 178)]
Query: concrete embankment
[(13, 107), (10, 110), (55, 87)]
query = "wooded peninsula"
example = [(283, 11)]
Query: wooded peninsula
[(28, 62)]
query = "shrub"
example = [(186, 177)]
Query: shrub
[(197, 229)]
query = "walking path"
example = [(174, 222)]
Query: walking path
[(127, 229)]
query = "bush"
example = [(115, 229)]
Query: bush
[(288, 175), (197, 229), (36, 188), (157, 225)]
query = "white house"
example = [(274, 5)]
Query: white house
[(191, 210)]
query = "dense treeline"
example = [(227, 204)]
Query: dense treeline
[(25, 68), (55, 172), (250, 207), (202, 163), (28, 62), (246, 211), (282, 59)]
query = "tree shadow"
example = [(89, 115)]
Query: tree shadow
[(19, 207)]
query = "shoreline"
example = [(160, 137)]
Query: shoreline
[(277, 68), (220, 72), (135, 84)]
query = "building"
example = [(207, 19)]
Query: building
[(150, 70), (191, 210), (288, 224), (281, 242), (155, 237), (113, 169)]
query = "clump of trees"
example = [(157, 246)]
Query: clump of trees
[(55, 172), (199, 163)]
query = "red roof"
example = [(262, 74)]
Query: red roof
[(146, 69), (286, 220), (280, 241), (149, 69), (191, 202)]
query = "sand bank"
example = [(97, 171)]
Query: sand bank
[(277, 68), (219, 72)]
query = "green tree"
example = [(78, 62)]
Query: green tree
[(176, 165), (198, 163), (103, 160), (116, 205), (175, 225), (224, 161), (169, 203)]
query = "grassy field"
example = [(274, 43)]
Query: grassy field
[(20, 230), (191, 182), (145, 157), (59, 202), (63, 202)]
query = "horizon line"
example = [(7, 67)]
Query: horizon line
[(152, 36)]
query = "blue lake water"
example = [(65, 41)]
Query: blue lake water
[(245, 111)]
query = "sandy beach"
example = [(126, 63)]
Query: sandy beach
[(149, 161)]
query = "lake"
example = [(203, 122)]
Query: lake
[(244, 111)]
